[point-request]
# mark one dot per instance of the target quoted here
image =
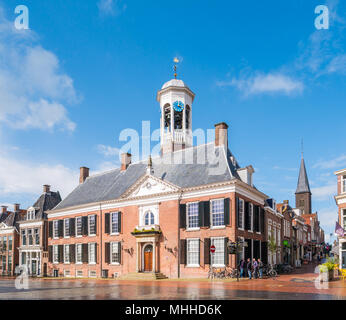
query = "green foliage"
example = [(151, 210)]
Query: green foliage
[(272, 246), (327, 266)]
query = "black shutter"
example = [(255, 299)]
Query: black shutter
[(85, 253), (227, 211), (72, 227), (262, 220), (206, 214), (226, 252), (85, 225), (61, 228), (107, 221), (238, 213), (96, 225), (96, 246), (72, 253), (61, 253), (207, 250), (182, 213), (107, 251), (119, 222), (119, 251), (199, 251), (201, 214), (50, 225), (264, 252), (247, 217), (50, 253), (182, 251)]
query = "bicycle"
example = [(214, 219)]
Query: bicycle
[(271, 272)]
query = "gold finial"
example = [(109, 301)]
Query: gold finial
[(175, 60)]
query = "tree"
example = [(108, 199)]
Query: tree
[(272, 246)]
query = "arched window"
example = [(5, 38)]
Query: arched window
[(178, 120), (167, 117), (149, 218), (187, 117)]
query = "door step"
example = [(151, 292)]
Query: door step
[(143, 276)]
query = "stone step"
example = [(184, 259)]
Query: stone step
[(143, 276)]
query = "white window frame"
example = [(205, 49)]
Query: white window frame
[(55, 254), (152, 215), (79, 275), (242, 213), (211, 214), (81, 226), (116, 245), (187, 216), (217, 265), (94, 245), (67, 261), (67, 236), (79, 245), (56, 228), (193, 265), (117, 223), (36, 233), (30, 236), (89, 217), (343, 184), (92, 276)]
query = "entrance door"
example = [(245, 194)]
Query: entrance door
[(148, 258), (45, 269), (33, 267)]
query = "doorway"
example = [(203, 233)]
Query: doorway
[(148, 258), (33, 267)]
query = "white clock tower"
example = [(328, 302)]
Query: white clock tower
[(175, 100)]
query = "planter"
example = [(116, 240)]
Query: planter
[(327, 275)]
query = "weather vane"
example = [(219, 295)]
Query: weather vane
[(175, 60)]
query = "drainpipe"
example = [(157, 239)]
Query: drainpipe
[(101, 244), (179, 199)]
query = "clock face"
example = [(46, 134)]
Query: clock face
[(178, 106)]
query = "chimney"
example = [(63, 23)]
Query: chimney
[(84, 173), (125, 160), (221, 136), (285, 201), (16, 207), (3, 209), (46, 188)]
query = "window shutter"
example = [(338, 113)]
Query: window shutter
[(72, 227), (199, 251), (50, 227), (183, 251), (119, 222), (257, 219), (72, 253), (96, 257), (85, 253), (182, 212), (201, 214), (119, 251), (96, 224), (247, 217), (107, 252), (264, 252), (61, 228), (238, 213), (61, 252), (206, 214), (107, 223), (226, 252), (226, 211), (85, 225), (50, 253), (207, 250)]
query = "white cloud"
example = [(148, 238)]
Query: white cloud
[(108, 151), (336, 163), (110, 7), (328, 217), (33, 88), (324, 192), (266, 83)]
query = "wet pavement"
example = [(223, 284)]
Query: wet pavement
[(298, 286)]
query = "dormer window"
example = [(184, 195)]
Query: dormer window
[(31, 214)]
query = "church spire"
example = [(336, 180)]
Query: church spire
[(303, 182)]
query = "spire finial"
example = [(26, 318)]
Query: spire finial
[(150, 165), (175, 60)]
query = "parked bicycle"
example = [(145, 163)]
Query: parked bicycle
[(270, 271)]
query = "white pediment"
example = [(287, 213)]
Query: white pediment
[(149, 185)]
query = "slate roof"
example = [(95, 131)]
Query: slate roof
[(198, 168), (303, 182), (47, 201)]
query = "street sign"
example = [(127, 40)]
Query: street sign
[(212, 249)]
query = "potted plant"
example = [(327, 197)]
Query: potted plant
[(328, 267)]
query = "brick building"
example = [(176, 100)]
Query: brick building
[(160, 216), (340, 200), (9, 239)]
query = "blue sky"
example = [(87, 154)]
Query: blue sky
[(86, 70)]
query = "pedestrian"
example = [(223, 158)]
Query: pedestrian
[(249, 267), (254, 266), (260, 268), (241, 267)]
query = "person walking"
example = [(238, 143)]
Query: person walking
[(255, 268), (260, 268), (241, 267), (249, 267)]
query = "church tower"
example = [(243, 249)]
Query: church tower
[(303, 193), (175, 99)]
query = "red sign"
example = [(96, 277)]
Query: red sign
[(212, 249)]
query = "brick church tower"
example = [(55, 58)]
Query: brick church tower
[(303, 193)]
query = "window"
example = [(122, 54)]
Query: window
[(66, 227), (10, 243), (66, 253), (23, 237), (251, 216), (3, 263), (55, 229), (67, 273), (31, 215), (79, 273), (78, 226), (37, 236), (270, 232), (115, 254), (55, 254), (193, 252), (79, 253), (279, 237), (192, 215), (217, 212), (301, 203), (218, 258), (241, 214), (92, 274), (149, 218), (23, 258), (9, 263), (91, 252), (114, 222), (92, 225), (4, 246), (343, 184), (30, 237)]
